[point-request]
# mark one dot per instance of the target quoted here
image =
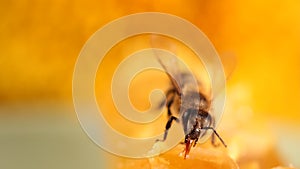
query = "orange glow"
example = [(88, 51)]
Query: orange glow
[(40, 41)]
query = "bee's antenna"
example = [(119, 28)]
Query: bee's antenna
[(211, 128)]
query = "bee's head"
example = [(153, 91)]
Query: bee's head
[(195, 131), (192, 137)]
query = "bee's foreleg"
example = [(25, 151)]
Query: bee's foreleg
[(168, 126)]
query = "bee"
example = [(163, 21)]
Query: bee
[(190, 107)]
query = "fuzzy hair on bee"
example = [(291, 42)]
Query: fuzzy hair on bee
[(187, 105)]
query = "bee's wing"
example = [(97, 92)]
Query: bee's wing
[(169, 63), (173, 76), (229, 63)]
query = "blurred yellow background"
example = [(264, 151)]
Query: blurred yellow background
[(40, 41)]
